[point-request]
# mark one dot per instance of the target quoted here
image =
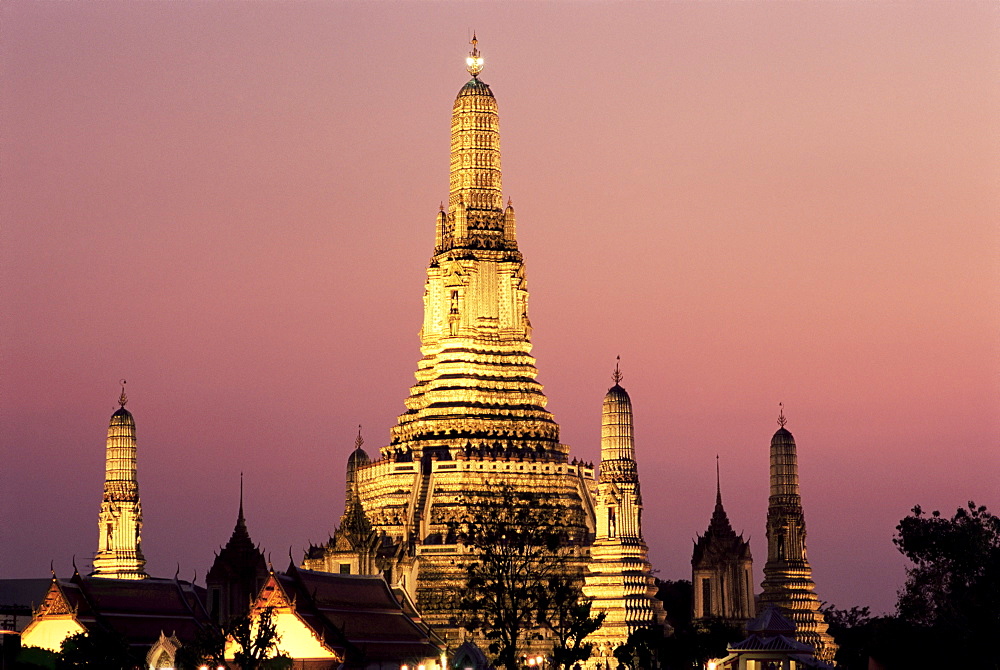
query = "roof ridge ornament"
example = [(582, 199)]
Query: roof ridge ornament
[(781, 415), (474, 63), (617, 376), (122, 399)]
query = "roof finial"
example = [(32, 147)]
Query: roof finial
[(122, 399), (474, 63), (360, 440), (781, 415), (617, 376), (718, 483), (240, 518)]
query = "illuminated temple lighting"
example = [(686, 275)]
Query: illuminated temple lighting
[(476, 417), (119, 552), (619, 580), (788, 582)]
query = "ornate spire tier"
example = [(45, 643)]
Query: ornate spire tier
[(788, 582), (119, 547)]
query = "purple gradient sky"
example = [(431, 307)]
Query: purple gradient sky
[(232, 206)]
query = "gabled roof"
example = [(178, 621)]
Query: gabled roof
[(358, 613), (138, 609), (771, 622)]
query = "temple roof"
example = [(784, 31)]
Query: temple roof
[(720, 540), (771, 622), (475, 86), (782, 436), (240, 556), (361, 610), (138, 609)]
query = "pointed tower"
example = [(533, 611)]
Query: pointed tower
[(619, 578), (788, 580), (722, 569), (238, 573), (119, 525), (475, 420), (477, 376), (352, 548)]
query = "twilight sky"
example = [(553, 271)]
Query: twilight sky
[(232, 206)]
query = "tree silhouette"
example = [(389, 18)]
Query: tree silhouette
[(517, 545)]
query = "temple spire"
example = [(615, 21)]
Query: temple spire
[(788, 581), (119, 546), (617, 376)]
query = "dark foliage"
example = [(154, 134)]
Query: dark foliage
[(256, 641), (97, 650), (949, 609), (566, 613), (952, 592), (517, 542), (206, 649)]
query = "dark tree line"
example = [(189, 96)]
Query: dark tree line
[(948, 611)]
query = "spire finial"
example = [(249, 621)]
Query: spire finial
[(122, 399), (360, 440), (617, 376), (474, 63), (718, 482), (241, 497), (781, 415)]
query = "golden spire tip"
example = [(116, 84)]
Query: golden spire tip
[(122, 399), (474, 63), (781, 415), (617, 376)]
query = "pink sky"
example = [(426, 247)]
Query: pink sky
[(232, 206)]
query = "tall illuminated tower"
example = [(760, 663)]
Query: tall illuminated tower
[(119, 547), (476, 418), (787, 574), (619, 578)]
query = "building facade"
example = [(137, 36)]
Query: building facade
[(788, 582), (722, 570)]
